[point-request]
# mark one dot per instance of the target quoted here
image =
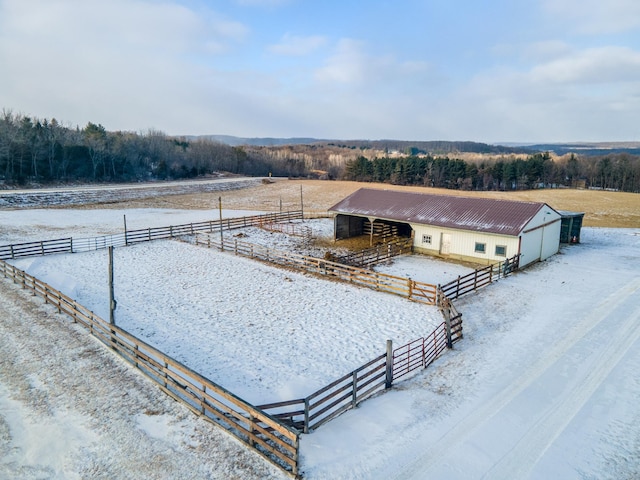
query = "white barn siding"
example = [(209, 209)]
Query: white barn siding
[(463, 243), (541, 237)]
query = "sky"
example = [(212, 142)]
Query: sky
[(494, 71)]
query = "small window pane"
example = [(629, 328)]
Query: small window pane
[(480, 247), (426, 239), (501, 251)]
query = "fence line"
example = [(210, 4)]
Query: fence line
[(419, 353), (271, 438), (404, 287), (293, 229), (480, 277), (372, 256), (130, 237), (271, 429), (347, 392), (333, 399)]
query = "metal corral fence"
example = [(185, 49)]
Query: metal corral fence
[(293, 229), (274, 440), (71, 245), (404, 287), (480, 277)]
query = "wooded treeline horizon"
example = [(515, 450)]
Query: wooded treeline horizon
[(39, 151)]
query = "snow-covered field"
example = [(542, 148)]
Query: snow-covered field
[(544, 384)]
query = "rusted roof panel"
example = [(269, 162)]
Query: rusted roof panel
[(503, 217)]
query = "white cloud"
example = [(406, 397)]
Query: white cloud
[(351, 65), (595, 16), (584, 95), (292, 45), (534, 52), (126, 64), (347, 65), (591, 66)]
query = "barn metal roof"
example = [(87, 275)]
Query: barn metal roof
[(503, 217)]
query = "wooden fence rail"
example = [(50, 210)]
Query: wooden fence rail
[(480, 278), (372, 256), (347, 392), (325, 404), (130, 237), (404, 287), (32, 249), (271, 438)]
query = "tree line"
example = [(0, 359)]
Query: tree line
[(42, 151), (619, 171), (36, 151)]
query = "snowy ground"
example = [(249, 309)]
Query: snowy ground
[(544, 384)]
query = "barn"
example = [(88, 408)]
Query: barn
[(479, 230)]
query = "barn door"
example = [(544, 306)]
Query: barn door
[(445, 244)]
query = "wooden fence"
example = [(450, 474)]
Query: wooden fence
[(347, 392), (404, 287), (130, 237), (480, 278), (372, 256), (272, 429), (311, 412), (271, 438)]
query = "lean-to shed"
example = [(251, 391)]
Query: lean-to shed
[(571, 226), (480, 230)]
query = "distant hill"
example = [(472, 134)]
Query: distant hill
[(589, 149), (434, 147), (255, 142)]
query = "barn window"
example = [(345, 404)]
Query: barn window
[(426, 239), (501, 251), (481, 247)]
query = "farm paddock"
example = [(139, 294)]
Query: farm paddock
[(200, 305), (446, 393)]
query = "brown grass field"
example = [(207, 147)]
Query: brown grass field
[(601, 208)]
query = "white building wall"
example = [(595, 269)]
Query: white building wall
[(541, 236), (463, 243)]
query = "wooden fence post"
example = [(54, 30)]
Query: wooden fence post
[(354, 395), (447, 323), (252, 421), (306, 415), (389, 369)]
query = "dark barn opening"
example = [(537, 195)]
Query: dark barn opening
[(349, 226)]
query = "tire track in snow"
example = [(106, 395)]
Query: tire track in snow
[(521, 459), (469, 424)]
